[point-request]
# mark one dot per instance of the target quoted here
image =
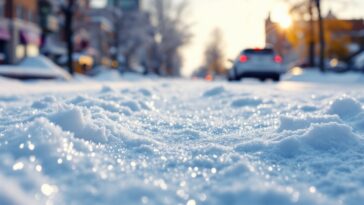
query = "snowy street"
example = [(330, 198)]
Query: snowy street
[(161, 102), (159, 141)]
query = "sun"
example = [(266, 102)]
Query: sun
[(285, 22), (282, 17)]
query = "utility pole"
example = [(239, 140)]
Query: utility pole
[(321, 35), (68, 11), (311, 46)]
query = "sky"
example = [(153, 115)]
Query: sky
[(242, 23)]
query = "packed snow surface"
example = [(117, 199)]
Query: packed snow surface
[(158, 141)]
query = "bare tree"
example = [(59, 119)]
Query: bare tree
[(172, 32), (68, 12), (321, 35), (300, 8), (311, 33), (214, 53), (134, 37)]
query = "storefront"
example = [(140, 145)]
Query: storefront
[(26, 40), (29, 43)]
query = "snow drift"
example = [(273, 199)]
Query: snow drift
[(178, 142)]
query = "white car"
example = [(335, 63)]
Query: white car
[(257, 63)]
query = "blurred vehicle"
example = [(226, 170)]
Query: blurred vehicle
[(38, 67), (204, 74), (257, 63), (81, 63), (358, 62), (336, 65)]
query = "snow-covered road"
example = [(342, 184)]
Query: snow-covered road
[(157, 141)]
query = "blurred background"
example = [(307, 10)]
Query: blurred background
[(181, 38)]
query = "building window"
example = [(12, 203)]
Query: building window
[(30, 16), (19, 12), (32, 50), (20, 51), (25, 14)]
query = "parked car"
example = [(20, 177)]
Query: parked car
[(257, 63), (82, 63), (358, 62)]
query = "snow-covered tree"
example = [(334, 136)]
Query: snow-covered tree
[(171, 33), (136, 37), (214, 53)]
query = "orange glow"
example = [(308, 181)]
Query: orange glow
[(296, 71), (282, 17), (209, 77), (285, 22)]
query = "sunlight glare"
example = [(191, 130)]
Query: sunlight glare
[(285, 22), (281, 15)]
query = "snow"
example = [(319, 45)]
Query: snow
[(329, 77), (137, 140), (35, 67), (246, 102), (214, 91), (345, 107)]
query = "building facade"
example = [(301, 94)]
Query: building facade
[(19, 31), (4, 33)]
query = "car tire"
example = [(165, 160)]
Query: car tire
[(235, 76), (276, 78)]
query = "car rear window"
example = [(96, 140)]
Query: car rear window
[(266, 51)]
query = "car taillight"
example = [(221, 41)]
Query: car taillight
[(243, 58), (278, 59)]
